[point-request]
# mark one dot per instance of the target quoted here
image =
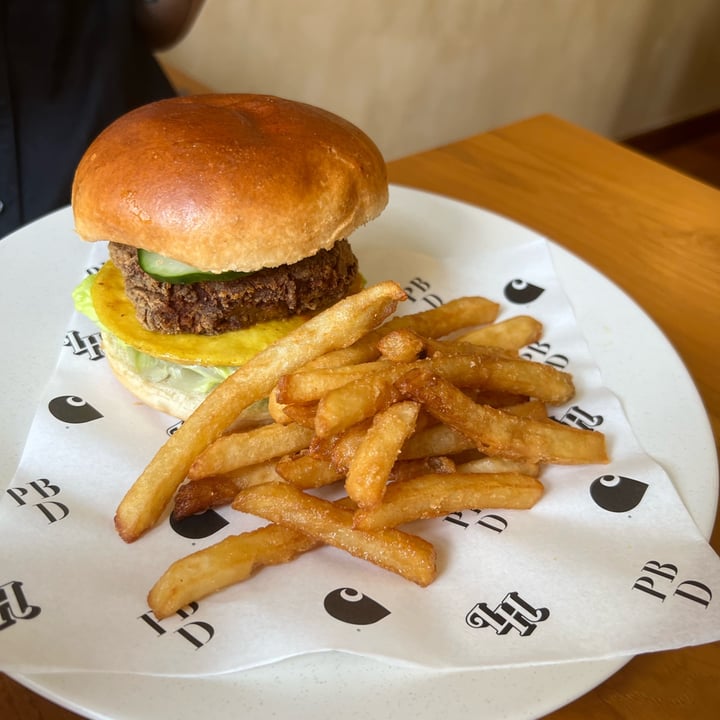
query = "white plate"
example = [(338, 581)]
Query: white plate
[(39, 265)]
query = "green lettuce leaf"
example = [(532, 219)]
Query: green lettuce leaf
[(83, 299)]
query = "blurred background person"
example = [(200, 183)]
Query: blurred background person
[(68, 68)]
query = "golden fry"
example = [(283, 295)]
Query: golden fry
[(371, 465), (487, 464), (402, 345), (230, 561), (401, 553), (307, 386), (488, 372), (442, 439), (354, 402), (495, 432), (532, 409), (305, 471), (276, 409), (431, 496), (407, 469), (301, 414), (231, 452), (201, 495), (511, 334), (197, 496), (340, 449), (509, 375), (437, 322), (439, 439)]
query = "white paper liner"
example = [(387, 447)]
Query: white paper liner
[(567, 581)]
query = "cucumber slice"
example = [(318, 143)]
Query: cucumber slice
[(168, 270)]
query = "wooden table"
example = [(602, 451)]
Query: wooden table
[(637, 222)]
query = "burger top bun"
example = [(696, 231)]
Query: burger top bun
[(228, 182)]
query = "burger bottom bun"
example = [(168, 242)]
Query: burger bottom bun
[(160, 396), (156, 395)]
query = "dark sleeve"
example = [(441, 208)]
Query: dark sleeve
[(67, 70)]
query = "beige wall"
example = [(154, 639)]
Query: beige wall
[(419, 73)]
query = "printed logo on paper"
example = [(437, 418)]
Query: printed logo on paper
[(522, 292), (14, 606), (42, 495), (617, 493), (418, 290), (544, 353), (174, 428), (488, 520), (73, 409), (578, 417), (513, 613), (196, 527), (659, 580), (353, 607), (198, 633), (87, 345)]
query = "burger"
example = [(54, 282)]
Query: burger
[(227, 220)]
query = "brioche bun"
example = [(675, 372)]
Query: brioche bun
[(228, 182)]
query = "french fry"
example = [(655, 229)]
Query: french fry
[(498, 398), (511, 375), (201, 495), (305, 471), (197, 496), (334, 328), (437, 322), (342, 407), (431, 496), (226, 563), (340, 449), (276, 409), (301, 414), (309, 385), (439, 439), (470, 369), (511, 334), (445, 347), (231, 452), (536, 380), (402, 345), (370, 467), (355, 401), (531, 409), (495, 432), (407, 555), (496, 464), (406, 469)]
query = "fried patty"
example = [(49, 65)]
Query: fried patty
[(209, 308)]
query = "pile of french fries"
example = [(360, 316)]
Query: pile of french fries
[(410, 418)]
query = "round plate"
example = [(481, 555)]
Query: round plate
[(35, 297)]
